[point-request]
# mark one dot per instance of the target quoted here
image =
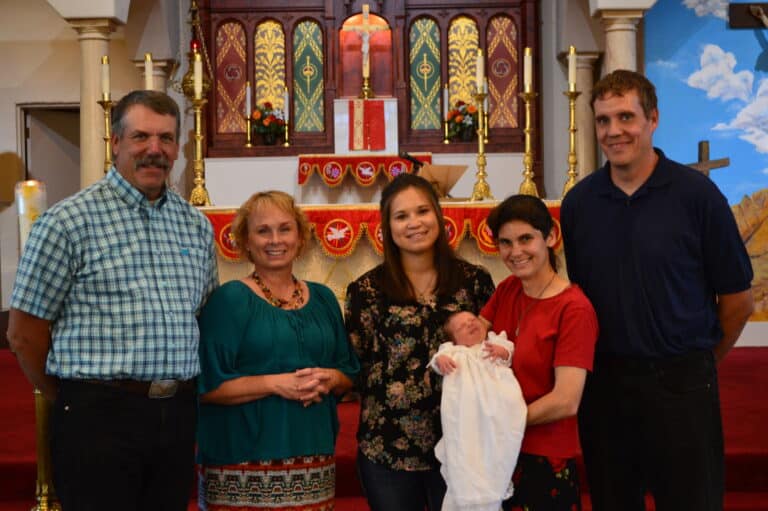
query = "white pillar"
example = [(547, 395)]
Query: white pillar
[(620, 39), (93, 35), (586, 149)]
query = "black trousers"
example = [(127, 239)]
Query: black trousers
[(122, 451), (653, 426)]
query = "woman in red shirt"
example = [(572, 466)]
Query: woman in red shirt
[(554, 329)]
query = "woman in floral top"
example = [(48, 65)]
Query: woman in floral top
[(394, 316)]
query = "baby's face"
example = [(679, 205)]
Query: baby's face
[(467, 329)]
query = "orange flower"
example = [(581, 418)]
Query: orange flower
[(472, 109), (256, 115)]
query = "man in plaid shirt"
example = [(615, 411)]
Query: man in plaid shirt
[(103, 321)]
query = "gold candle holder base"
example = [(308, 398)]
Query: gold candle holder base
[(481, 190), (571, 94), (199, 195), (366, 92), (45, 494), (248, 131), (106, 105), (528, 186)]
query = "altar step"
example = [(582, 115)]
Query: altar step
[(745, 421)]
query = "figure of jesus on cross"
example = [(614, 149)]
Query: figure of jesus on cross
[(365, 29)]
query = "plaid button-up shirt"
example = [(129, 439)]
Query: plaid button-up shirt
[(121, 280)]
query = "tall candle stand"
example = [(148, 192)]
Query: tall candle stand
[(528, 187), (199, 195), (285, 131), (45, 494), (446, 140), (485, 125), (572, 94), (107, 104), (481, 190), (248, 131)]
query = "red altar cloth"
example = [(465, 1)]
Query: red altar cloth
[(339, 228), (365, 168)]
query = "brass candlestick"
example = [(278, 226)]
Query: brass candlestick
[(199, 195), (446, 140), (45, 493), (485, 125), (481, 190), (366, 92), (286, 143), (107, 104), (572, 94), (248, 131), (528, 187)]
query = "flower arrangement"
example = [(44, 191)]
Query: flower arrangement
[(266, 119), (462, 120)]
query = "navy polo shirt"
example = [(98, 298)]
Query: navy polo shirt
[(653, 262)]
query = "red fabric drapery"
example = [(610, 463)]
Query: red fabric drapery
[(365, 168), (338, 229)]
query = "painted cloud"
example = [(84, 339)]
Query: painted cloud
[(717, 8), (717, 77)]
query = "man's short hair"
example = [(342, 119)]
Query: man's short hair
[(621, 81), (159, 102)]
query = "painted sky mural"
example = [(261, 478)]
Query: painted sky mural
[(712, 83)]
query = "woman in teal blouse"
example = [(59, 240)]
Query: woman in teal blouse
[(274, 359)]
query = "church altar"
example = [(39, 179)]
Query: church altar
[(337, 253)]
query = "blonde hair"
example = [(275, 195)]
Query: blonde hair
[(258, 200)]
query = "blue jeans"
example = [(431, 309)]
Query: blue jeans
[(398, 490), (653, 426)]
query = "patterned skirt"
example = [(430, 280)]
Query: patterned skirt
[(302, 483)]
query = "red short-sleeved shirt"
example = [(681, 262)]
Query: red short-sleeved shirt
[(557, 331)]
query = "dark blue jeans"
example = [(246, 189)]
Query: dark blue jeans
[(398, 490), (121, 451), (653, 426)]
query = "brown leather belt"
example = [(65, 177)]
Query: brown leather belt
[(156, 389)]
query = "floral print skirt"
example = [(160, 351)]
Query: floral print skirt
[(544, 483), (301, 483)]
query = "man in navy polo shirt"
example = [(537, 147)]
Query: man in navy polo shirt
[(656, 249)]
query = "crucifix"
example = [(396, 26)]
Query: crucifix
[(365, 29), (704, 164)]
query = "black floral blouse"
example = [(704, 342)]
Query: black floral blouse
[(400, 397)]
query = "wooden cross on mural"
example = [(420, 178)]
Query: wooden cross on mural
[(365, 29), (704, 164)]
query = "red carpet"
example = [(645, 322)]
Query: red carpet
[(743, 388)]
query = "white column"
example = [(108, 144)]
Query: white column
[(586, 148), (620, 39), (93, 35)]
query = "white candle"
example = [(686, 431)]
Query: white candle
[(572, 68), (527, 70), (197, 71), (105, 77), (149, 79), (286, 105), (248, 99), (480, 70), (445, 102), (30, 204)]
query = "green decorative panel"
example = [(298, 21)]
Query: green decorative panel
[(308, 86), (463, 39), (424, 62)]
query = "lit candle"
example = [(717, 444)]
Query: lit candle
[(445, 102), (286, 105), (572, 68), (480, 70), (105, 78), (527, 70), (197, 69), (149, 79), (247, 98), (30, 204)]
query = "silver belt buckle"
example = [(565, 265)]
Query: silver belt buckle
[(163, 389)]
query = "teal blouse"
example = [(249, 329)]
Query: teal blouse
[(241, 335)]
